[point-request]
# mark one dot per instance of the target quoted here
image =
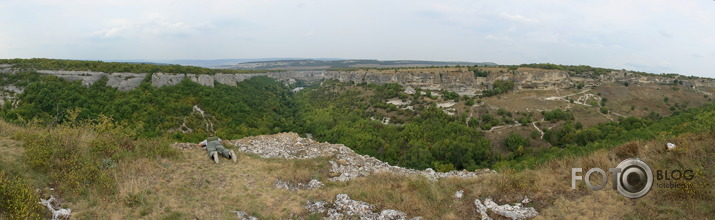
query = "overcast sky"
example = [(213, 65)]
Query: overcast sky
[(646, 35)]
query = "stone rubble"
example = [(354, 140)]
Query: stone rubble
[(344, 207), (57, 213), (514, 212), (244, 215), (345, 165), (313, 184)]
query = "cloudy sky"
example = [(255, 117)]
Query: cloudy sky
[(646, 35)]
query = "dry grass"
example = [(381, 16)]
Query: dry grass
[(650, 96)]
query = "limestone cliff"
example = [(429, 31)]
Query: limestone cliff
[(459, 80)]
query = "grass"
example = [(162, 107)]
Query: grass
[(189, 185)]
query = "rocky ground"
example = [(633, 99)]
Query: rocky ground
[(345, 163)]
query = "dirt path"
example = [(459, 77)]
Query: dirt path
[(538, 129)]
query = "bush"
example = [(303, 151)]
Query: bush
[(604, 110), (557, 114), (77, 155), (524, 120), (17, 199), (499, 87), (535, 134), (469, 102), (514, 141)]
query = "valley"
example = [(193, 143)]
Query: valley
[(77, 128)]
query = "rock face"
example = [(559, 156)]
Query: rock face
[(459, 80), (346, 165), (125, 81), (121, 81)]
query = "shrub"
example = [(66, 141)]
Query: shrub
[(501, 112), (534, 134), (524, 120), (499, 87), (557, 114), (604, 110), (514, 141), (469, 102), (17, 199), (77, 155)]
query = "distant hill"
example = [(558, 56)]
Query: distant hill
[(312, 64), (217, 63)]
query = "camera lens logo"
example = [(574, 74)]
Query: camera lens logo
[(635, 179)]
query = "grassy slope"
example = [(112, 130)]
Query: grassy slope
[(191, 186)]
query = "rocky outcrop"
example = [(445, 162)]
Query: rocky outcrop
[(87, 77), (633, 78), (345, 208), (121, 81), (125, 81), (542, 79), (513, 212), (57, 213), (346, 164), (9, 94), (170, 79), (459, 80), (244, 215), (313, 184)]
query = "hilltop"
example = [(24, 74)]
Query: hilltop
[(151, 178), (312, 64)]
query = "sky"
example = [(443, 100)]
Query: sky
[(657, 36)]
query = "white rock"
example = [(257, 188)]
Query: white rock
[(525, 200), (481, 209), (56, 213), (670, 146), (352, 165), (459, 194), (244, 215), (509, 211)]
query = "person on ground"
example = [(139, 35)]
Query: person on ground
[(215, 148)]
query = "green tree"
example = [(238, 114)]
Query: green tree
[(514, 141)]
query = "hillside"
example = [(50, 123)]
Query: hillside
[(399, 142), (155, 179), (411, 117)]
